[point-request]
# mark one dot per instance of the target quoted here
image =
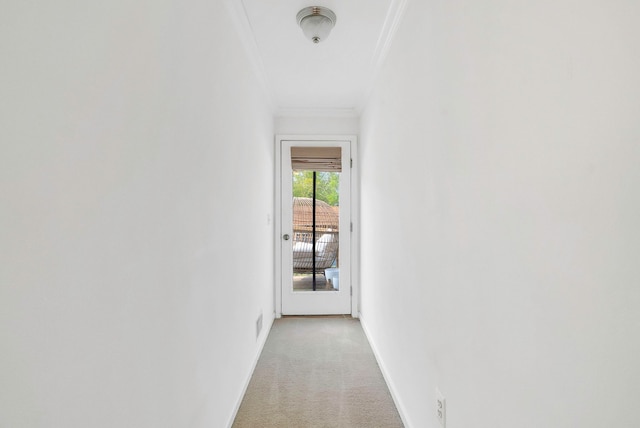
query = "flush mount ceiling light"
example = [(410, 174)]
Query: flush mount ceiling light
[(316, 22)]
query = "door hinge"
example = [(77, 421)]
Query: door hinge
[(351, 227), (350, 291), (351, 163)]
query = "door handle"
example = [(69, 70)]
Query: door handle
[(285, 237)]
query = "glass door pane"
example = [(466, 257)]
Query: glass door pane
[(316, 228)]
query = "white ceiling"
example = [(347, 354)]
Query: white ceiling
[(331, 76)]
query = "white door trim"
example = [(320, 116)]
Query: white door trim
[(355, 215)]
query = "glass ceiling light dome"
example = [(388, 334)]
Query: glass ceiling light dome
[(316, 22)]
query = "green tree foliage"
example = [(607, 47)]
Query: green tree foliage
[(327, 188)]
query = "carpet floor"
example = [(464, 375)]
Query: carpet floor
[(317, 372)]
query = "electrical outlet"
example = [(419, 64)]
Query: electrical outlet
[(258, 326), (441, 408)]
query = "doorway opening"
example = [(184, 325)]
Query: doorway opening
[(314, 273)]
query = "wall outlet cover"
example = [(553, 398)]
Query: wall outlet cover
[(441, 408)]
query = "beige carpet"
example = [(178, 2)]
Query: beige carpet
[(317, 372)]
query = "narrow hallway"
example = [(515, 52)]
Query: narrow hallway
[(317, 372)]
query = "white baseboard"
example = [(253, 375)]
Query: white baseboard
[(263, 340), (385, 375)]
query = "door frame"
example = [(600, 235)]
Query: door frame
[(355, 215)]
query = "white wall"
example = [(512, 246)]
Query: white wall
[(136, 173), (500, 213), (317, 125)]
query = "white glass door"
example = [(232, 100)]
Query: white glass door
[(315, 226)]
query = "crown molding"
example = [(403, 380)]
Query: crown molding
[(316, 112), (389, 28), (238, 13)]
